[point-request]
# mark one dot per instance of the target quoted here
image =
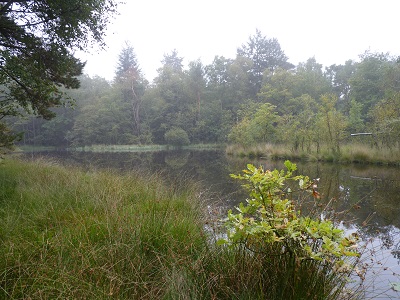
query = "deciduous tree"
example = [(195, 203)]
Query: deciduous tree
[(331, 123), (368, 82), (386, 121)]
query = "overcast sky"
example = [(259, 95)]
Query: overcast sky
[(331, 30)]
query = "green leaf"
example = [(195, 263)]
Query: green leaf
[(291, 167), (251, 167)]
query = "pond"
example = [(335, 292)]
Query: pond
[(370, 193)]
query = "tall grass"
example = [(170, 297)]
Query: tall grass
[(70, 234), (359, 153), (349, 153)]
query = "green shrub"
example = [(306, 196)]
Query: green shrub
[(177, 137), (304, 255)]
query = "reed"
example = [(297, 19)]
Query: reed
[(364, 154)]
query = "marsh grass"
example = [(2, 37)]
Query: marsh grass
[(349, 153), (72, 234), (358, 153)]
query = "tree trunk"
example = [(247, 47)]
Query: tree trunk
[(136, 101)]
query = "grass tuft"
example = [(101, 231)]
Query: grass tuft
[(73, 234)]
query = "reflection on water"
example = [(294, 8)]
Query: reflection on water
[(370, 194)]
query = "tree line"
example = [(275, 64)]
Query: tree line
[(257, 97)]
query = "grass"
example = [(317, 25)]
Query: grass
[(358, 153), (67, 234), (70, 234), (349, 153)]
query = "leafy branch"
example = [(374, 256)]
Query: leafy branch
[(269, 218)]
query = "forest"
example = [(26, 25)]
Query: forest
[(257, 97)]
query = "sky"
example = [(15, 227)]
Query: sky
[(331, 31)]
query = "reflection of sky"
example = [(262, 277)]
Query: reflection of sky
[(374, 193), (381, 262)]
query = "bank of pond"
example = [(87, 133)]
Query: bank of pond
[(346, 154), (89, 233)]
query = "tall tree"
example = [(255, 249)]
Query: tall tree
[(37, 40), (130, 81), (339, 76), (216, 72), (195, 84), (104, 117), (285, 87), (227, 81), (173, 61), (238, 83), (386, 121), (127, 62), (278, 89), (266, 54), (368, 82), (170, 88), (311, 79)]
